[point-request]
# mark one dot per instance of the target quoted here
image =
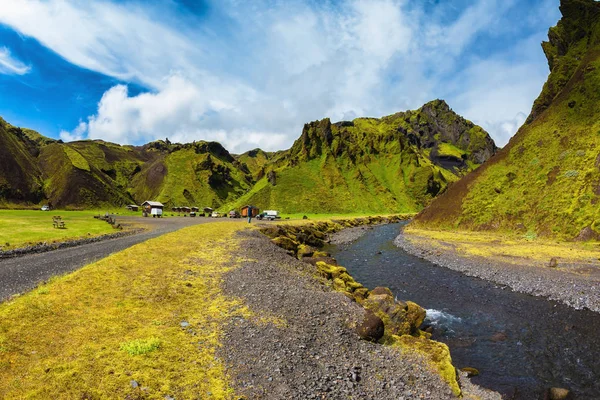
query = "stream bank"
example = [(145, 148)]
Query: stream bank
[(385, 320), (522, 345)]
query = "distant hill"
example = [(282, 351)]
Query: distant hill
[(396, 163), (546, 181)]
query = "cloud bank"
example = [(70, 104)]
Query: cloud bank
[(250, 74)]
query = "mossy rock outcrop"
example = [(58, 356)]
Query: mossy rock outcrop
[(400, 318), (286, 243)]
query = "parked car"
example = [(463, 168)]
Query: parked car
[(46, 208), (269, 215), (215, 214), (234, 214)]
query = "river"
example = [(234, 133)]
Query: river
[(522, 345)]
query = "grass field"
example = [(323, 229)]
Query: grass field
[(152, 314), (19, 228)]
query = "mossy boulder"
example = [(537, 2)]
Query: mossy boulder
[(399, 318), (435, 353), (371, 327), (339, 285), (360, 294), (285, 243), (305, 251), (330, 271), (314, 260)]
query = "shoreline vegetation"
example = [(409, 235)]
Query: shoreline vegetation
[(150, 322)]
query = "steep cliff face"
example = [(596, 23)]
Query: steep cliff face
[(546, 181), (393, 164)]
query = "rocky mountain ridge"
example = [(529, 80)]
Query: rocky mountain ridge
[(401, 161)]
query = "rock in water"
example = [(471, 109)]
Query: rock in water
[(559, 394), (470, 371), (371, 328)]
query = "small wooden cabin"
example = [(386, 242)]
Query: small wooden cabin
[(195, 209), (255, 211), (132, 207), (153, 208), (186, 210)]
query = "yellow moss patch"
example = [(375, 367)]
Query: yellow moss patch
[(153, 313), (435, 353), (504, 247)]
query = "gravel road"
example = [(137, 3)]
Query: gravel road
[(24, 273)]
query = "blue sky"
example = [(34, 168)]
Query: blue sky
[(251, 73)]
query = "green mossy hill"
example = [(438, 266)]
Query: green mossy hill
[(394, 164), (19, 173), (397, 163), (546, 181), (400, 320), (94, 173)]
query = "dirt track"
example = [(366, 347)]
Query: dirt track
[(21, 274)]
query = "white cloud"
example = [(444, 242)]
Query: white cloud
[(254, 77), (77, 134), (10, 65)]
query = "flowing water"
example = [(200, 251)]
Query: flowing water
[(522, 345)]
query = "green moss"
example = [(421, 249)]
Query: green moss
[(77, 159), (141, 346)]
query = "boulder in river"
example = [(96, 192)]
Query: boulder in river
[(559, 394), (470, 371), (371, 328)]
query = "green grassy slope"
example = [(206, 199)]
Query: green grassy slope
[(547, 180), (257, 161), (393, 164)]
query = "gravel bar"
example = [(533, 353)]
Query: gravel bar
[(577, 291)]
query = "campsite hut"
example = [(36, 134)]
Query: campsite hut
[(186, 210), (255, 211), (132, 207), (153, 208), (195, 209)]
